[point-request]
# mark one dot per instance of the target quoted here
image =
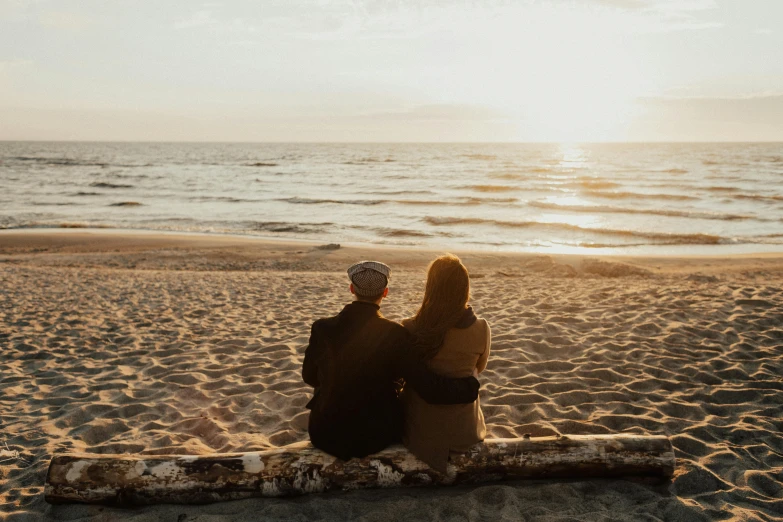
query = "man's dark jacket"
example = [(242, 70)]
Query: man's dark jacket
[(353, 360)]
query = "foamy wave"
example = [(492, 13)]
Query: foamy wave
[(460, 201), (432, 202), (658, 237), (769, 239), (582, 183), (490, 188), (601, 209), (225, 199), (665, 184), (757, 197), (722, 189), (39, 225), (525, 173), (310, 201), (491, 201), (128, 176), (69, 162), (366, 161), (80, 225), (60, 162), (595, 184), (283, 226), (103, 184), (637, 195), (55, 204), (398, 232), (508, 176), (396, 192), (480, 156)]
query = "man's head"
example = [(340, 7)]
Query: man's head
[(369, 280)]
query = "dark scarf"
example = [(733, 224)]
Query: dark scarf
[(467, 319)]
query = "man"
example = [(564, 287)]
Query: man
[(356, 360)]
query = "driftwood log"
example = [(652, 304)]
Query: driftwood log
[(300, 468)]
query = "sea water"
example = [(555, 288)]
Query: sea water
[(584, 198)]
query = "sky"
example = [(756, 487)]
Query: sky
[(392, 70)]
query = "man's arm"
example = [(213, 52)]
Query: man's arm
[(437, 389), (312, 354), (434, 388)]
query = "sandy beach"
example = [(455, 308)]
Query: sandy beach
[(118, 342)]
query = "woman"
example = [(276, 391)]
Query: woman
[(456, 344)]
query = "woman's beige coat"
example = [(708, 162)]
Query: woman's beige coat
[(434, 430)]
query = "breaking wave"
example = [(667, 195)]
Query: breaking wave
[(225, 199), (601, 209), (283, 226), (490, 188), (432, 202), (396, 192), (398, 232), (60, 162), (310, 201), (69, 162), (661, 238), (366, 161), (638, 195), (103, 184), (460, 201), (758, 197), (480, 156)]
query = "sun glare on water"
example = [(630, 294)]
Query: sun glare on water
[(573, 163)]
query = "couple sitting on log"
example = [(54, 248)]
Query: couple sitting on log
[(378, 382)]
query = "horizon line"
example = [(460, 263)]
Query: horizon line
[(551, 142)]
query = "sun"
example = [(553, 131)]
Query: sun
[(570, 77), (579, 99)]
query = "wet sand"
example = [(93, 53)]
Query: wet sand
[(151, 343)]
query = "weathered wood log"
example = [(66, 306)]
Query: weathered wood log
[(300, 469)]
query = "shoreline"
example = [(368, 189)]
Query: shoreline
[(85, 239), (632, 251)]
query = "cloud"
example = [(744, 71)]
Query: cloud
[(666, 15), (343, 20), (404, 19), (65, 20), (745, 118), (668, 6), (201, 18), (15, 8), (7, 65), (213, 20), (761, 98), (433, 124), (438, 112)]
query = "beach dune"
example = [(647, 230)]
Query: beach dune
[(171, 344)]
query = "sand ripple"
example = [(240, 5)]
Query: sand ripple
[(113, 361)]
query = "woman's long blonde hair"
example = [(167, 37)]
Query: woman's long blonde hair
[(445, 298)]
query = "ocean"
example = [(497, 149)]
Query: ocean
[(635, 199)]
